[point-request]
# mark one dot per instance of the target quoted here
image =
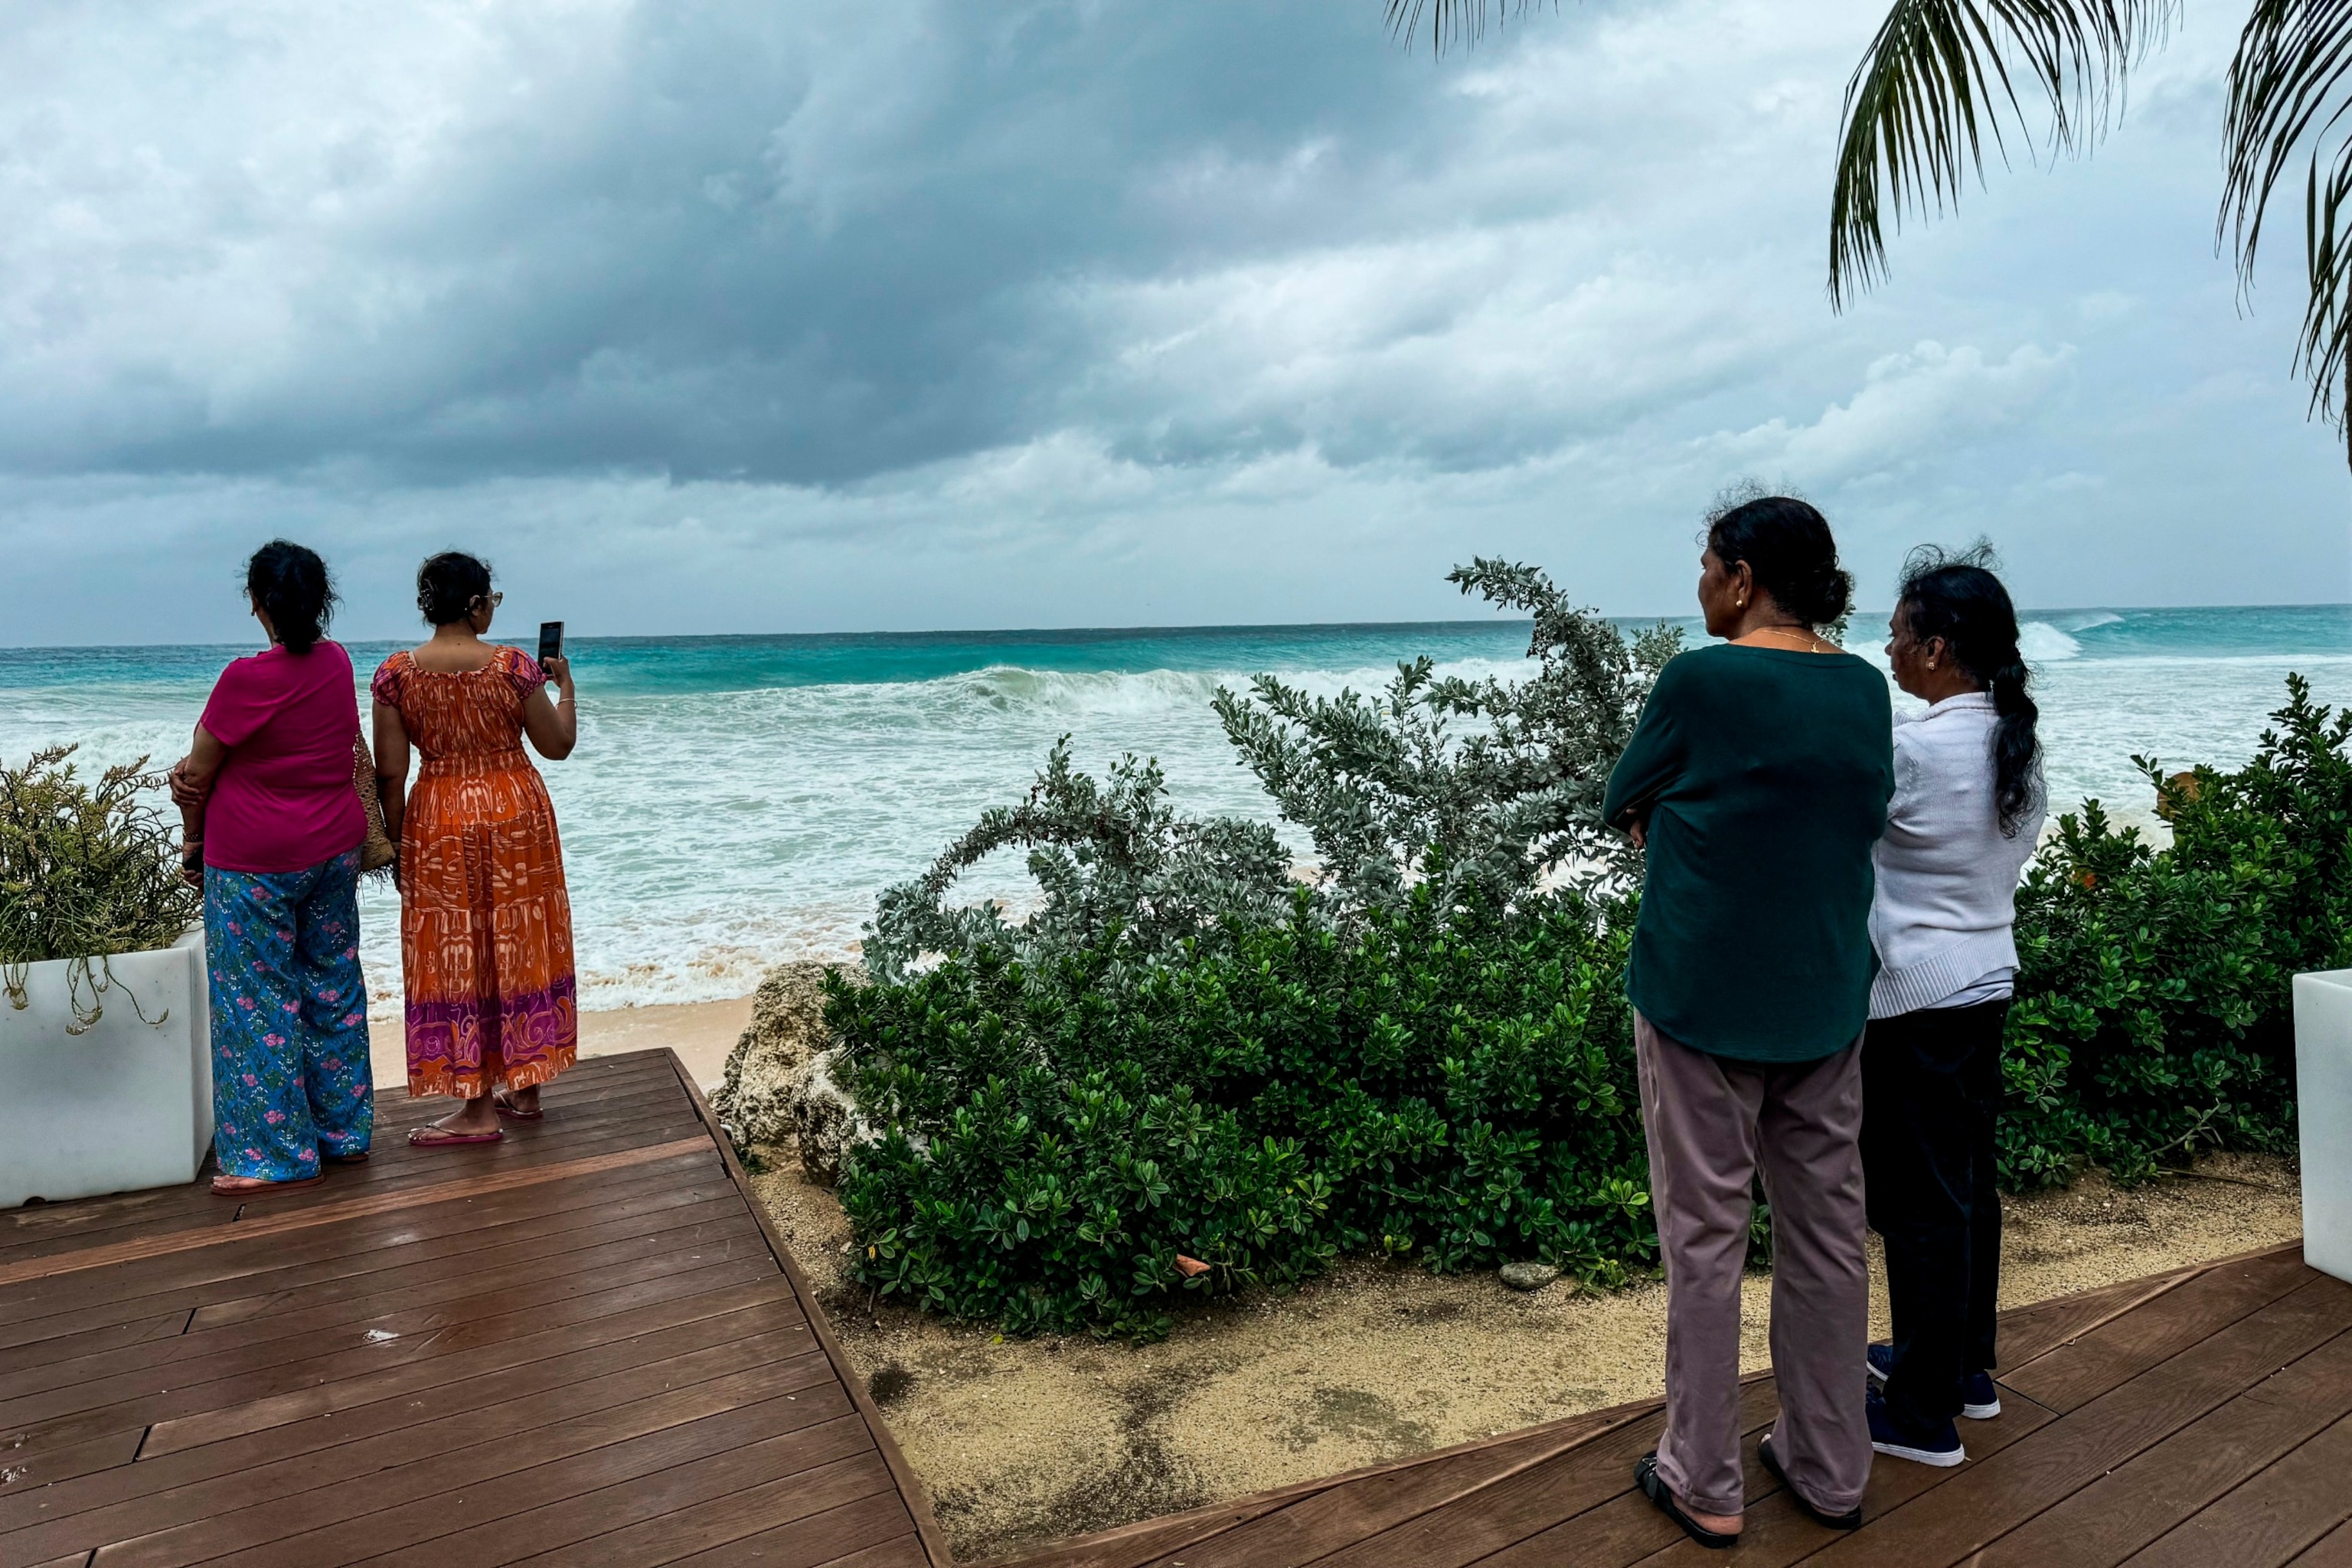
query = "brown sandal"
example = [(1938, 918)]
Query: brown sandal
[(432, 1137)]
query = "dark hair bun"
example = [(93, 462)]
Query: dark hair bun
[(1789, 550), (448, 584), (291, 585)]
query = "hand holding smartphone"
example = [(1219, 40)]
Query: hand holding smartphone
[(551, 642)]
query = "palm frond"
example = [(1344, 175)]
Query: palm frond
[(1941, 76), (1449, 21), (2288, 88)]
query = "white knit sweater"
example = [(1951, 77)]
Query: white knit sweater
[(1947, 875)]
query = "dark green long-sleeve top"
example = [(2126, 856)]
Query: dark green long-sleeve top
[(1764, 773)]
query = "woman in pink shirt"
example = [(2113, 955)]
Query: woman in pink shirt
[(272, 829)]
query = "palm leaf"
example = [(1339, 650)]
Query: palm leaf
[(1941, 76), (2288, 88), (1449, 21)]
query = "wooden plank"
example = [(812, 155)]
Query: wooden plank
[(721, 1518), (903, 1551), (916, 1499), (274, 1504), (1381, 1521), (107, 1254), (829, 1464), (427, 1309), (2134, 1504), (108, 1335), (2333, 1550), (30, 1311), (461, 1504), (2080, 1370), (1509, 1510), (2027, 1332), (346, 1186), (766, 1306), (1987, 1500), (805, 1543), (576, 1238), (1473, 1463), (2275, 1515), (469, 1412), (223, 1393), (257, 1336), (24, 1476)]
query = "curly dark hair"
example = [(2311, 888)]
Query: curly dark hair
[(448, 585), (293, 587)]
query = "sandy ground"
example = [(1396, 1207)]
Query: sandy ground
[(1023, 1442), (701, 1033)]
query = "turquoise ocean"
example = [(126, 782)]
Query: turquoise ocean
[(736, 800)]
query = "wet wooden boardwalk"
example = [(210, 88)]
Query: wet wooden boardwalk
[(580, 1346), (2201, 1419)]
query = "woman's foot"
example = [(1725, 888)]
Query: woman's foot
[(1712, 1531), (521, 1104), (356, 1157), (477, 1122), (250, 1186)]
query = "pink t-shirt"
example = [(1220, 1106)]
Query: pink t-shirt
[(284, 800)]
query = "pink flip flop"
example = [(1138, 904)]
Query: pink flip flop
[(430, 1137), (509, 1109)]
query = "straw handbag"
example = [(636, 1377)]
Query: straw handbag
[(378, 851)]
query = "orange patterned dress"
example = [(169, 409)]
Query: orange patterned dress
[(485, 919)]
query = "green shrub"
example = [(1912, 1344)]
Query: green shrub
[(2154, 1010), (85, 872), (1454, 1085)]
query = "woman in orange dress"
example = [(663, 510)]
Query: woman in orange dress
[(485, 922)]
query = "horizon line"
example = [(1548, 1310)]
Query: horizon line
[(1197, 628)]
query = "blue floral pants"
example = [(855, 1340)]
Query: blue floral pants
[(290, 1018)]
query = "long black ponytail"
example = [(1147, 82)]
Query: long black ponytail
[(1957, 598)]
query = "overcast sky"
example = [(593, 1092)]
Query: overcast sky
[(744, 316)]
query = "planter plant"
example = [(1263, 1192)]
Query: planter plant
[(105, 1073)]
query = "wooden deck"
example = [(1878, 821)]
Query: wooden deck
[(2201, 1419), (582, 1345), (585, 1346)]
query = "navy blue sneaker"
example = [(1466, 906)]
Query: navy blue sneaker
[(1939, 1447), (1979, 1399)]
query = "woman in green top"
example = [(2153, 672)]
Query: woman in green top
[(1757, 780)]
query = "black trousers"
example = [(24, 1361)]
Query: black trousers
[(1931, 1089)]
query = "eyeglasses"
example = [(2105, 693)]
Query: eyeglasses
[(493, 600)]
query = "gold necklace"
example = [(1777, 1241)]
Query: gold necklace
[(1812, 643)]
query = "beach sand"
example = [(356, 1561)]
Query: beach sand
[(1023, 1441), (701, 1033)]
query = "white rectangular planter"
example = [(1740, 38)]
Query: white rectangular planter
[(122, 1107), (2322, 1114)]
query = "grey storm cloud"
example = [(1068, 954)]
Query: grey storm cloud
[(746, 315), (747, 240)]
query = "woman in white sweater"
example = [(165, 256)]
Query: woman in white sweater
[(1966, 812)]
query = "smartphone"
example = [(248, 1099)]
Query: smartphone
[(550, 641)]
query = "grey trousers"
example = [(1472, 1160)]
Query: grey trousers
[(1713, 1124)]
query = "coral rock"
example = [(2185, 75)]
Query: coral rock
[(1527, 1276)]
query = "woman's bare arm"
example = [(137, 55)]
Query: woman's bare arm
[(553, 727), (191, 779), (391, 750)]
